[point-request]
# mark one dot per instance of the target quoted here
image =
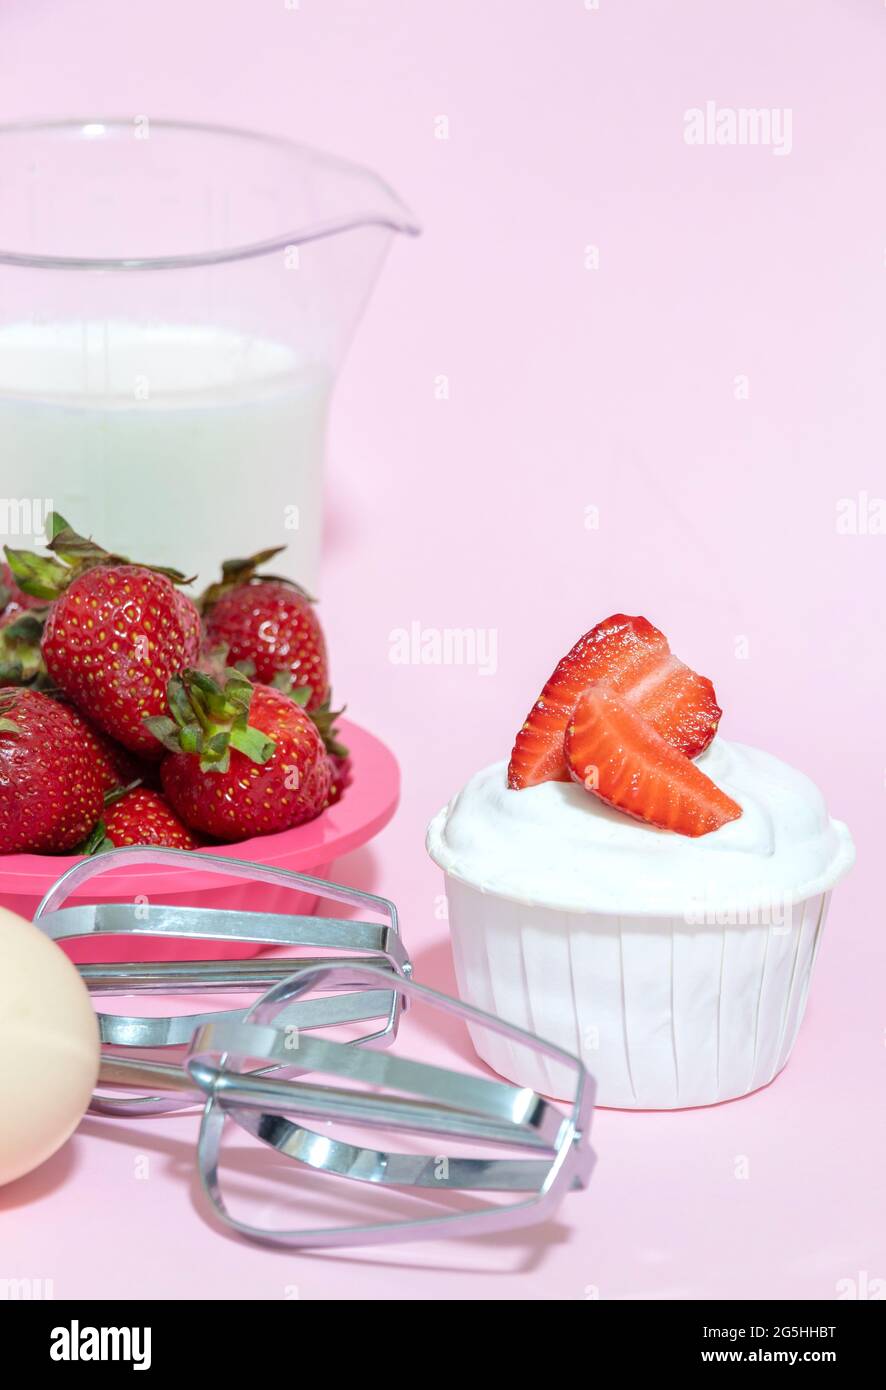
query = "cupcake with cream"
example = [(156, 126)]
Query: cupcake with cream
[(636, 890)]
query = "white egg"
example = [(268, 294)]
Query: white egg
[(49, 1047)]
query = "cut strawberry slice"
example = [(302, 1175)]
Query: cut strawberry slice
[(678, 703), (617, 650), (633, 658), (614, 753)]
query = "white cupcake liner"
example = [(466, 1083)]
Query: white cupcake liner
[(663, 1013)]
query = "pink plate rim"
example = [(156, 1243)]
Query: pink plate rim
[(365, 809)]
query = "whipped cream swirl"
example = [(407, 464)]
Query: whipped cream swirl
[(558, 846)]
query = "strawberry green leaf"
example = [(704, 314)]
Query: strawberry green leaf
[(190, 738), (55, 524), (215, 748), (27, 627), (240, 569), (165, 730), (21, 660), (116, 795), (96, 842), (236, 573), (324, 720), (38, 575), (253, 744), (82, 552), (179, 705)]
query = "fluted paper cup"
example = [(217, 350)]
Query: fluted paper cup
[(665, 1012)]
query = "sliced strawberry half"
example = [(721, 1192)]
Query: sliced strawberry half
[(633, 658), (615, 753)]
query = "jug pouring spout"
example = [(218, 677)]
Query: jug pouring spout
[(175, 302)]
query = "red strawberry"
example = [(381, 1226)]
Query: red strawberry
[(192, 628), (142, 817), (632, 657), (117, 765), (244, 760), (111, 643), (269, 625), (51, 787), (117, 630), (615, 753)]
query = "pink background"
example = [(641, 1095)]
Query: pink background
[(570, 388)]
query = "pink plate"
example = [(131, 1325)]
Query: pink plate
[(365, 808)]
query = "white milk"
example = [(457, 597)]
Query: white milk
[(171, 444)]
